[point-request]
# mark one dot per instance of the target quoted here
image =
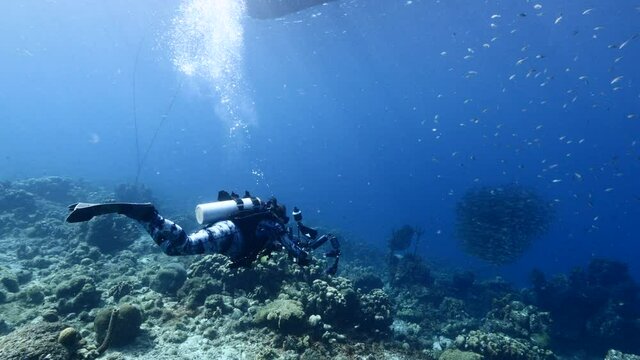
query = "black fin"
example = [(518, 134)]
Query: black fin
[(223, 196), (81, 212)]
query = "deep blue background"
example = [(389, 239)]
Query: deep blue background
[(370, 114)]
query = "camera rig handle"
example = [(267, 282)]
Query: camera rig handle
[(308, 240)]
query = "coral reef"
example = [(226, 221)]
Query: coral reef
[(377, 311), (110, 233), (60, 292), (597, 308), (77, 294), (69, 338), (500, 346), (518, 320), (51, 188), (367, 282), (401, 238), (497, 224), (617, 355), (34, 342), (9, 281), (283, 315), (453, 354), (408, 270), (17, 201), (169, 279), (125, 325)]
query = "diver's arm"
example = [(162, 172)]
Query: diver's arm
[(294, 250)]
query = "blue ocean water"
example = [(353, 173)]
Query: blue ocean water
[(365, 114)]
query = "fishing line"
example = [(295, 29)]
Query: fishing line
[(163, 119), (135, 112), (140, 161)]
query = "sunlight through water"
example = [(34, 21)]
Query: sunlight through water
[(207, 43)]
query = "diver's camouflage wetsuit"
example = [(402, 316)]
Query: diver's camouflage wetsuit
[(241, 239)]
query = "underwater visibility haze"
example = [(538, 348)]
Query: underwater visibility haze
[(479, 163)]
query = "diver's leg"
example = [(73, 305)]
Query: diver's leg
[(222, 237)]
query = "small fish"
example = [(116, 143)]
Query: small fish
[(631, 116), (512, 77), (586, 12), (558, 19), (616, 79), (623, 44), (578, 176), (520, 61), (537, 6), (608, 189), (627, 42), (94, 138), (495, 16), (556, 180)]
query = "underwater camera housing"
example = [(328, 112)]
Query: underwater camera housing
[(219, 210), (307, 232), (312, 241)]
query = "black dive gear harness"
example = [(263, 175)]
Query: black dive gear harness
[(299, 246)]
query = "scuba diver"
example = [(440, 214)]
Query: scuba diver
[(241, 228), (271, 9)]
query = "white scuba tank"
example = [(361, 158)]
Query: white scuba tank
[(219, 210)]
